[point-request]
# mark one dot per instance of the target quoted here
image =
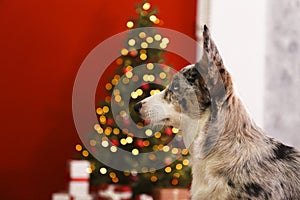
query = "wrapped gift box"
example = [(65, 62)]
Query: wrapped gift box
[(78, 188), (115, 192), (79, 177), (65, 196), (144, 197), (171, 193)]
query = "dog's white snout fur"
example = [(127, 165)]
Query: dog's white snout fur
[(154, 109)]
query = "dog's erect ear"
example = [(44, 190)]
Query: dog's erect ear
[(210, 48), (211, 63)]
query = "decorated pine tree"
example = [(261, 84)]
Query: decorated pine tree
[(149, 156)]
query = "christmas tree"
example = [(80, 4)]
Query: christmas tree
[(157, 157)]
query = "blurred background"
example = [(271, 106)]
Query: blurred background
[(43, 43)]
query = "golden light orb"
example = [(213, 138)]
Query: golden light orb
[(175, 130), (166, 148), (162, 75), (116, 131), (135, 152), (118, 98), (168, 169), (150, 66), (139, 92), (157, 37), (157, 135), (185, 162), (148, 132), (102, 119), (108, 131), (124, 52), (78, 147), (130, 24), (142, 35), (175, 150), (144, 169), (163, 45), (153, 18), (108, 86), (184, 152), (149, 40), (146, 6), (151, 78), (99, 111), (112, 175), (113, 149), (179, 166), (85, 153), (123, 141), (153, 178), (165, 40), (93, 143), (129, 140), (105, 109), (143, 56), (105, 143), (144, 45), (125, 81), (103, 170), (134, 95), (131, 42), (129, 74)]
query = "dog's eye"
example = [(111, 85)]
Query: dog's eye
[(175, 86)]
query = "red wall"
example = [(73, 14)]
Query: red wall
[(42, 44)]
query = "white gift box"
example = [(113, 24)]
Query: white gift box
[(65, 196), (79, 177), (61, 196), (144, 197), (78, 188), (79, 169)]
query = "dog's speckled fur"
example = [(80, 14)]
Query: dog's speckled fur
[(231, 157)]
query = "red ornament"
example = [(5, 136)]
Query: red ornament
[(140, 143), (133, 53), (115, 142), (168, 131), (145, 86), (110, 122)]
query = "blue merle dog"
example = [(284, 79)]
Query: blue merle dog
[(231, 156)]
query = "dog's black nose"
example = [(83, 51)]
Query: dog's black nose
[(137, 107)]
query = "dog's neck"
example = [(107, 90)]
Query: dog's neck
[(235, 146), (232, 125)]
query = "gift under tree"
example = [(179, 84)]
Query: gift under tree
[(155, 74)]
